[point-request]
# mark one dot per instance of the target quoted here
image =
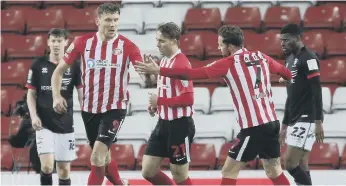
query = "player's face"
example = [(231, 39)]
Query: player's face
[(108, 24), (57, 44), (288, 43), (224, 48), (164, 44)]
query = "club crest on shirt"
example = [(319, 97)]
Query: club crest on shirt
[(70, 48), (185, 83), (117, 51)]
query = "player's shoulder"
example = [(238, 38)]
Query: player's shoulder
[(182, 60), (127, 41), (308, 54), (38, 61)]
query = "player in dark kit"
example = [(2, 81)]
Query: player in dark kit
[(303, 117), (247, 75), (54, 132)]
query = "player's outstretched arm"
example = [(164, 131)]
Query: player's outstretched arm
[(277, 68), (216, 69), (59, 103)]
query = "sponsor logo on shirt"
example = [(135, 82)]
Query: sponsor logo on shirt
[(99, 63), (66, 81), (44, 70)]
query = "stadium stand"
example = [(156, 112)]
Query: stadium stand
[(23, 36)]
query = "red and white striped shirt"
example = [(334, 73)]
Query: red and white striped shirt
[(248, 76), (168, 88), (105, 70)]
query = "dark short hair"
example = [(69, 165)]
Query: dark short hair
[(232, 35), (105, 8), (292, 29), (169, 30), (58, 32)]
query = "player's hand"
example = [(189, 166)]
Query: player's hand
[(153, 100), (319, 132), (36, 123), (148, 67), (282, 80), (282, 137), (59, 105), (152, 110)]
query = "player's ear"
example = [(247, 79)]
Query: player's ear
[(97, 21)]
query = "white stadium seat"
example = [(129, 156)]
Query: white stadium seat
[(184, 5), (221, 100), (214, 126), (326, 99), (201, 100), (137, 127), (339, 99), (335, 124), (139, 99), (221, 5), (145, 6), (146, 43), (279, 95), (302, 5), (262, 5), (135, 78), (134, 24), (158, 15)]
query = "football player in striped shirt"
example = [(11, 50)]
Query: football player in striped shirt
[(173, 102), (247, 74)]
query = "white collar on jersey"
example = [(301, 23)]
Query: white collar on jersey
[(111, 41), (176, 53), (240, 51)]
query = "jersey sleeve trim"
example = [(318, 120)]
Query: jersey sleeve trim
[(313, 75), (79, 86), (30, 86)]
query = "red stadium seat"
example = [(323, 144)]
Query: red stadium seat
[(203, 157), (17, 72), (244, 17), (5, 102), (29, 47), (322, 17), (97, 3), (62, 3), (192, 45), (22, 3), (210, 44), (12, 20), (272, 44), (343, 159), (81, 20), (333, 70), (202, 19), (124, 156), (9, 126), (83, 158), (6, 157), (278, 16), (335, 44), (324, 156), (21, 159), (44, 20), (314, 40), (72, 36), (224, 154), (253, 41), (3, 49)]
